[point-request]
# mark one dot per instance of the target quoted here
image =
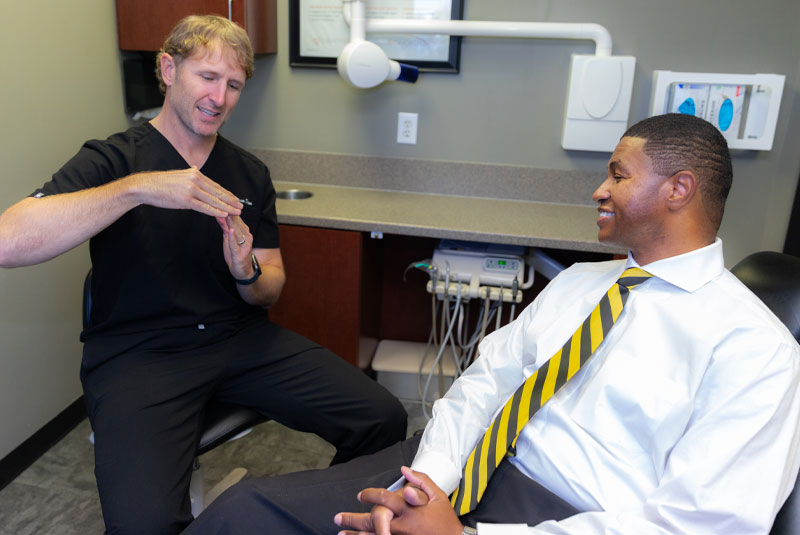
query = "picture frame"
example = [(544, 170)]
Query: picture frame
[(318, 32)]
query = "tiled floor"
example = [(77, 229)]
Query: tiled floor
[(57, 495)]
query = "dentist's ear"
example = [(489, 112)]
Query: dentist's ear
[(167, 64)]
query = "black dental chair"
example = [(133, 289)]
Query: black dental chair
[(775, 279), (222, 421)]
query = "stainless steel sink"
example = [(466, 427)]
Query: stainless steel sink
[(294, 194)]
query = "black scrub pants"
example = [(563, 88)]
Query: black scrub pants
[(146, 407), (304, 503)]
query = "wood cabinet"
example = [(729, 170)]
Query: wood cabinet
[(332, 293), (143, 24)]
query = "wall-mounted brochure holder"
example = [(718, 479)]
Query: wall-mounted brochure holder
[(743, 106)]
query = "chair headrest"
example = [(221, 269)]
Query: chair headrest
[(775, 279)]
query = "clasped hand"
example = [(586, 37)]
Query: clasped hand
[(419, 508)]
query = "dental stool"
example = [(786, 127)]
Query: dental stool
[(222, 422), (775, 279)]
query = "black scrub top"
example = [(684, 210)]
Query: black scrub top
[(159, 269)]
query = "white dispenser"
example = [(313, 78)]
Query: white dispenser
[(598, 101)]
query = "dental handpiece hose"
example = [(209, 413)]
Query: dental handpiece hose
[(514, 290)]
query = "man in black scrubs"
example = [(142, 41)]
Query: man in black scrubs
[(184, 246)]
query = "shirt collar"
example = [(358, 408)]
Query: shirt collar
[(688, 271)]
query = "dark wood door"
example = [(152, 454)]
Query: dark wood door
[(322, 298)]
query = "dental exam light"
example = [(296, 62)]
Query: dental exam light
[(364, 64)]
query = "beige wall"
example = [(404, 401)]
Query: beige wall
[(60, 86)]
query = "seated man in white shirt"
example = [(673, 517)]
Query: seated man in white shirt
[(683, 420)]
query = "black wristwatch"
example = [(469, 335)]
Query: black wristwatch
[(256, 269)]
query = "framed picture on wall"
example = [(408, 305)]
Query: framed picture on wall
[(318, 32)]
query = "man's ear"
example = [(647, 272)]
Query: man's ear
[(683, 188), (168, 67)]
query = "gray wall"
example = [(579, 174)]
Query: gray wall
[(61, 85), (507, 104)]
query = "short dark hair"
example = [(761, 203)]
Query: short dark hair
[(676, 142)]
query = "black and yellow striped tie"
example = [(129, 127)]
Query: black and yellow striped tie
[(500, 439)]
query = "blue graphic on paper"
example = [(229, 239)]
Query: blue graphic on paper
[(687, 107), (725, 114)]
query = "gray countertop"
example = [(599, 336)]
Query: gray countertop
[(517, 222)]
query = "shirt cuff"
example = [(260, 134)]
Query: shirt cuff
[(439, 468), (502, 529)]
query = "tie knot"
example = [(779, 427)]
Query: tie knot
[(633, 277)]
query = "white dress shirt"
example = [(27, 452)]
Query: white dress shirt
[(685, 419)]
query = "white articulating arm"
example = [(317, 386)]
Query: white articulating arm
[(363, 64), (475, 28), (600, 86)]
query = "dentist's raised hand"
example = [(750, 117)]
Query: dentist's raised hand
[(37, 229), (238, 252), (237, 246), (184, 189)]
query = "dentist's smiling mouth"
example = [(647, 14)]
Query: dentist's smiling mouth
[(207, 112)]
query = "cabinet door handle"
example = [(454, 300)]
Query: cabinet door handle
[(230, 9)]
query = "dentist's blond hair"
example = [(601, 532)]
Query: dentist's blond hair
[(208, 32)]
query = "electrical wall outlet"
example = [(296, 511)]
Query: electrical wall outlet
[(407, 128)]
